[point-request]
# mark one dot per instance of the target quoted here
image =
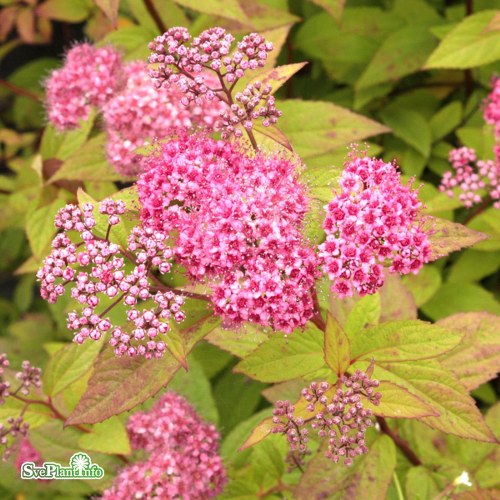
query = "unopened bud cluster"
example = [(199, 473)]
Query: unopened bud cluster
[(96, 271), (29, 377), (204, 68), (337, 414), (183, 458)]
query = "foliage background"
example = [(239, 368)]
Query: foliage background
[(408, 76)]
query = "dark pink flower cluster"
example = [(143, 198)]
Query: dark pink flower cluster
[(89, 77), (141, 113), (29, 376), (97, 273), (492, 107), (237, 220), (183, 455), (374, 219), (191, 63), (338, 414), (473, 177), (135, 111)]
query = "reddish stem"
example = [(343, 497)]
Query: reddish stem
[(399, 442), (478, 210), (20, 91), (154, 14)]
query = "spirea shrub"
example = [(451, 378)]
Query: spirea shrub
[(199, 240)]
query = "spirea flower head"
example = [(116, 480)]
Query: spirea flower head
[(28, 453), (204, 68), (492, 107), (238, 221), (142, 112), (335, 413), (96, 272), (89, 78), (183, 455), (474, 178), (373, 219)]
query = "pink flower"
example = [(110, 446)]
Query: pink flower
[(371, 221), (183, 455), (90, 77), (238, 224), (474, 178), (141, 113), (492, 107), (28, 453)]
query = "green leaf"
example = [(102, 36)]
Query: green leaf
[(195, 387), (108, 437), (477, 359), (260, 432), (420, 484), (321, 181), (440, 389), (280, 358), (110, 9), (410, 126), (275, 77), (424, 284), (369, 477), (397, 302), (337, 347), (61, 145), (240, 343), (473, 265), (69, 364), (446, 236), (88, 163), (398, 402), (237, 398), (120, 384), (446, 120), (402, 341), (366, 312), (75, 11), (34, 415), (334, 7), (451, 299), (489, 223), (469, 44), (227, 9), (403, 52), (329, 126), (40, 227)]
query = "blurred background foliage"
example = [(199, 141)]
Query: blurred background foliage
[(410, 75)]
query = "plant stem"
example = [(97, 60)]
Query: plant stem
[(20, 91), (399, 442), (154, 14), (317, 319), (478, 210), (398, 486)]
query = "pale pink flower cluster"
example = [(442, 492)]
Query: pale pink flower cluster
[(337, 414), (28, 453), (183, 455), (96, 270), (238, 221), (473, 177), (135, 111), (90, 76), (29, 376), (142, 112), (492, 107), (374, 219), (191, 63)]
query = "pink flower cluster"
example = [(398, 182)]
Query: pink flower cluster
[(338, 414), (89, 77), (492, 107), (29, 376), (473, 177), (135, 111), (374, 219), (97, 273), (238, 222), (28, 453), (192, 63), (141, 112), (183, 460)]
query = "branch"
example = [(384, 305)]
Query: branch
[(154, 14), (20, 91), (399, 442)]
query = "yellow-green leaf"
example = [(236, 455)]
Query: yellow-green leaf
[(337, 347)]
